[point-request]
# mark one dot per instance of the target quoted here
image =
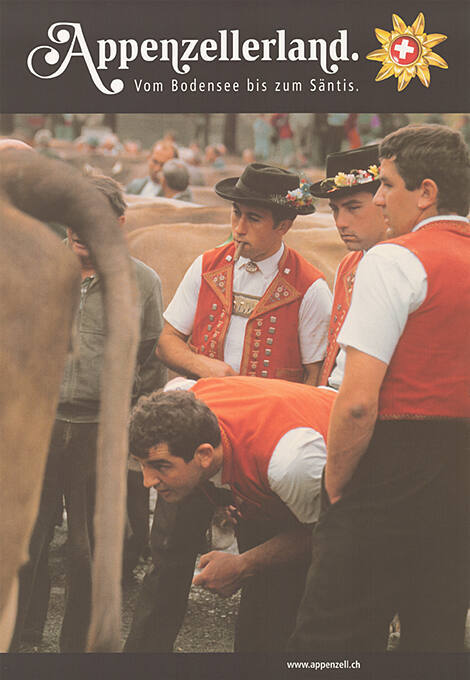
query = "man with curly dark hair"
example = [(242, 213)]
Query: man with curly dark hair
[(253, 307), (227, 433)]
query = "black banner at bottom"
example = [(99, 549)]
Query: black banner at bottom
[(387, 666)]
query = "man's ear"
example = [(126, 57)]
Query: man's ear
[(204, 455), (121, 220), (428, 194), (283, 226)]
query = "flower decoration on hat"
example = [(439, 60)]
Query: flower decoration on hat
[(301, 197), (406, 52), (345, 180)]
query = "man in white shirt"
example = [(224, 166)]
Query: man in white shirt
[(395, 536), (264, 441), (269, 290)]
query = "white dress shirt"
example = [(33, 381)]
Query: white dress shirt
[(150, 188), (295, 468), (390, 284)]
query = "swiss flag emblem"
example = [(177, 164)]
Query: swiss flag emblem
[(404, 50)]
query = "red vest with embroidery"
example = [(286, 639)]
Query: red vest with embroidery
[(253, 415), (429, 374), (342, 299), (271, 347)]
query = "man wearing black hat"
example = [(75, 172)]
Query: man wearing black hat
[(252, 307), (350, 185)]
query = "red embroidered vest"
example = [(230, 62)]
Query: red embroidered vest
[(429, 374), (253, 415), (341, 301), (271, 345)]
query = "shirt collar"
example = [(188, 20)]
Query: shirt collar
[(217, 478), (154, 185), (439, 218), (267, 267)]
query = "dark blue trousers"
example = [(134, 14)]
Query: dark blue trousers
[(396, 542), (268, 602), (70, 472)]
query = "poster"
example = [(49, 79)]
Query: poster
[(122, 58)]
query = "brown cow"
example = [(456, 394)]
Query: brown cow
[(206, 196), (145, 212), (319, 245), (170, 248), (39, 288)]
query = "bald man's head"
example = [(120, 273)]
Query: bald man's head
[(161, 153), (14, 144)]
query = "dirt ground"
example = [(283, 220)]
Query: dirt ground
[(208, 626)]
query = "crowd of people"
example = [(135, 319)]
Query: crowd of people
[(331, 428)]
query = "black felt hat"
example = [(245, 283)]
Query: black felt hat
[(268, 186), (349, 171)]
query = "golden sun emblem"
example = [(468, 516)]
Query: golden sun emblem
[(406, 52)]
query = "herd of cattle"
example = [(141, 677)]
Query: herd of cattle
[(168, 235), (39, 284)]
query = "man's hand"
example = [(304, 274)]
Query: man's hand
[(174, 352), (212, 368), (312, 373), (221, 573), (224, 574)]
